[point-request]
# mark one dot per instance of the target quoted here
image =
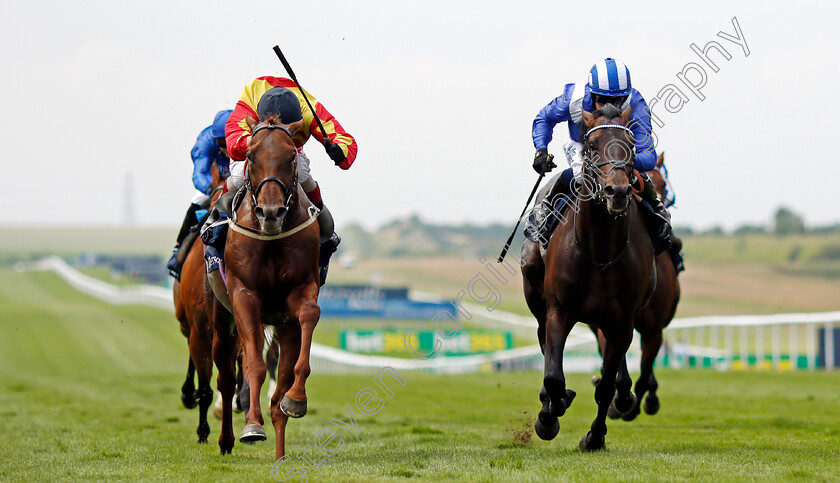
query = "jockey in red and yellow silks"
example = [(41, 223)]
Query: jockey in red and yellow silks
[(237, 131), (280, 96)]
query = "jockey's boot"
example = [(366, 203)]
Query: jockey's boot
[(676, 254), (327, 249), (189, 220), (329, 239), (214, 237), (661, 232), (545, 215)]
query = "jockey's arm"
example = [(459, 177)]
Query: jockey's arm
[(643, 135), (203, 155), (337, 134), (555, 112)]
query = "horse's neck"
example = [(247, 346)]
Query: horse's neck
[(602, 236)]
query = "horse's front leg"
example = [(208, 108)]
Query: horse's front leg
[(554, 396), (289, 338), (651, 344), (246, 307), (615, 348), (304, 303)]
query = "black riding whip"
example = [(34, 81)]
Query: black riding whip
[(530, 197), (294, 78)]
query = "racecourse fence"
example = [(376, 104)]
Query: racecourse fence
[(806, 341)]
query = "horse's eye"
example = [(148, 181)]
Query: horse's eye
[(592, 146)]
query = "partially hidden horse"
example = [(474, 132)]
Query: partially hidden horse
[(652, 322), (193, 308), (598, 269), (272, 278)]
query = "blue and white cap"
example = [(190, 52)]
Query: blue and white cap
[(609, 77)]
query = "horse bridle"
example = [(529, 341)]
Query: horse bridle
[(616, 163), (288, 191), (599, 195)]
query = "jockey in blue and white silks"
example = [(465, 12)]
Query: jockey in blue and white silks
[(209, 149), (608, 83), (206, 152), (567, 108)]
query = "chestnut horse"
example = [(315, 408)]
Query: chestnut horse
[(193, 307), (272, 278), (652, 322), (598, 270)]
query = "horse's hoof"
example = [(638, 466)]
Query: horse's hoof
[(202, 439), (612, 411), (252, 433), (625, 405), (546, 430), (631, 414), (591, 443), (188, 400), (651, 405), (292, 407)]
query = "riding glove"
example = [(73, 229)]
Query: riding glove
[(335, 153), (543, 161)]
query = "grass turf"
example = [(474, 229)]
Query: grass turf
[(91, 391)]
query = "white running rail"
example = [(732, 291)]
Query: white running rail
[(708, 338)]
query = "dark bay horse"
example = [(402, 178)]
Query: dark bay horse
[(193, 307), (272, 278), (598, 269)]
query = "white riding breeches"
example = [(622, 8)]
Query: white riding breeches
[(200, 199), (574, 156)]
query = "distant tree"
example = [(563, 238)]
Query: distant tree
[(750, 229), (787, 222), (682, 231), (715, 230)]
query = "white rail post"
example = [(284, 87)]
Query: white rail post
[(811, 345), (829, 346), (759, 347), (776, 342), (743, 339), (793, 340), (727, 345)]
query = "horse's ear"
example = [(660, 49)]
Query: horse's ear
[(625, 116), (295, 126), (251, 121), (588, 118), (660, 159)]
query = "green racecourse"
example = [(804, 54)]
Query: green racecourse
[(91, 391)]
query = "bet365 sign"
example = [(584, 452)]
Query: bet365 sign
[(391, 341)]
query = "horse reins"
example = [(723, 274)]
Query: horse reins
[(599, 197)]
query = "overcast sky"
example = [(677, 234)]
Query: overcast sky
[(439, 95)]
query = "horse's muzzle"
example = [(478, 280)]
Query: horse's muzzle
[(270, 218), (618, 198)]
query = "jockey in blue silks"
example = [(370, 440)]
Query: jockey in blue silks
[(609, 83), (209, 149)]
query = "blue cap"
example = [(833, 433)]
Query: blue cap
[(219, 121)]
